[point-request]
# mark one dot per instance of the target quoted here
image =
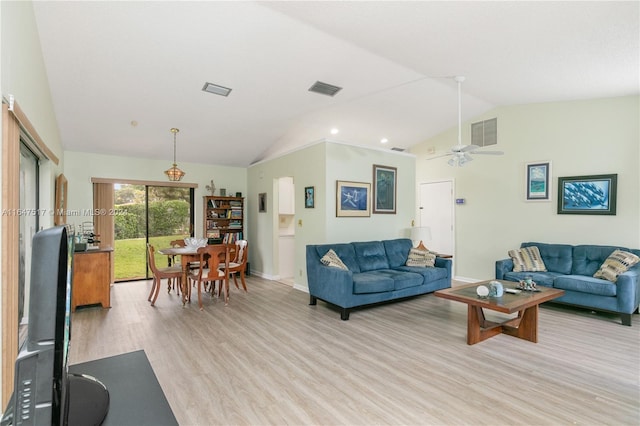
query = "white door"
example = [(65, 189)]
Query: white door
[(436, 212)]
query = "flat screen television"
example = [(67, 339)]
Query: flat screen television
[(44, 391)]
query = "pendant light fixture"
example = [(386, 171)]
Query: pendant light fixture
[(174, 173)]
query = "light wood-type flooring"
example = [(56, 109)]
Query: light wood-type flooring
[(271, 359)]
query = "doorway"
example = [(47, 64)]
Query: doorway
[(436, 212), (148, 214), (286, 230)]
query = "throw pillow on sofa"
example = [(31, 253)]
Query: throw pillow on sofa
[(419, 257), (527, 259), (332, 259), (617, 263)]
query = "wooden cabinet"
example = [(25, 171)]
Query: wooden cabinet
[(91, 278), (223, 218)]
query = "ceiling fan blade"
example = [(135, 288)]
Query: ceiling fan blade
[(488, 152), (439, 155), (468, 148)]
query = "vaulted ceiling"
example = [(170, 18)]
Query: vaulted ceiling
[(123, 73)]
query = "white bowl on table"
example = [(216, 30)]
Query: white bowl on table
[(194, 243)]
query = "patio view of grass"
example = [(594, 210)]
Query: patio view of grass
[(131, 255)]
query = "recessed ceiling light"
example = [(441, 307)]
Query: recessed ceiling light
[(384, 140), (334, 131), (216, 89)]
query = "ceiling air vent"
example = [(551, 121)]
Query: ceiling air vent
[(324, 88), (397, 149), (216, 89), (484, 133)]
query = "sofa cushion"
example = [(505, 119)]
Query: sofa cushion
[(527, 259), (345, 252), (372, 282), (584, 284), (332, 259), (402, 279), (617, 263), (397, 251), (556, 257), (371, 255), (587, 259), (429, 274), (421, 258)]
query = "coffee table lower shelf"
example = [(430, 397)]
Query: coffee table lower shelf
[(524, 326)]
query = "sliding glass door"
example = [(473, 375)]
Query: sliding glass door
[(28, 225), (153, 214)]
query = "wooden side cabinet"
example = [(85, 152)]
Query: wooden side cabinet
[(91, 278)]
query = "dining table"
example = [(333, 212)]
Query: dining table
[(188, 254)]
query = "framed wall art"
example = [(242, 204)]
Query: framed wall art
[(352, 199), (587, 194), (538, 181), (309, 197), (60, 213), (384, 189), (262, 202)]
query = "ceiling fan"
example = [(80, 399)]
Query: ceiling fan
[(461, 154)]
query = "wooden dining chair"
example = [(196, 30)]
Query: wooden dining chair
[(213, 266), (173, 274), (238, 264), (174, 244)]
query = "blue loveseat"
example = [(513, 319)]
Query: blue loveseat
[(376, 273), (571, 268)]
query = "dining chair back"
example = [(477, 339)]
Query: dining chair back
[(239, 263), (213, 266), (173, 274)]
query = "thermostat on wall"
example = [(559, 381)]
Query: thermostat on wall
[(460, 200)]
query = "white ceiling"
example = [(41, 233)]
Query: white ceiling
[(112, 63)]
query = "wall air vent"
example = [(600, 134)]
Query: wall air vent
[(397, 149), (324, 88), (484, 133), (216, 89)]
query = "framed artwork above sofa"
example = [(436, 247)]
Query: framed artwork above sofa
[(594, 194)]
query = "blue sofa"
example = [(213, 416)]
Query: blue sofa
[(571, 269), (376, 273)]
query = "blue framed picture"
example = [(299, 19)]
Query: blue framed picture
[(309, 197), (539, 181), (587, 194), (352, 199), (384, 189)]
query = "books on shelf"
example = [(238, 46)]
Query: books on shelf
[(232, 237)]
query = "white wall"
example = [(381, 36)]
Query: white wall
[(580, 138), (22, 75), (80, 167), (320, 165)]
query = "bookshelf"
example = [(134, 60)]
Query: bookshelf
[(223, 219)]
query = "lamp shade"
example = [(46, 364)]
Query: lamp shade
[(420, 234)]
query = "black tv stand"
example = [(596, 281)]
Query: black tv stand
[(88, 400)]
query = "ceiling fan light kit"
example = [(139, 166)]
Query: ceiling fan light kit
[(461, 154)]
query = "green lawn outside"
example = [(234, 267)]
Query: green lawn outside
[(131, 255)]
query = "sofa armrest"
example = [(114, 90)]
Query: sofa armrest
[(444, 263), (628, 290), (330, 284), (502, 267)]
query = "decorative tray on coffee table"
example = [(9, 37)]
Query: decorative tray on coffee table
[(531, 287)]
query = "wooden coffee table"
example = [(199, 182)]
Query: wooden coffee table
[(526, 303)]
